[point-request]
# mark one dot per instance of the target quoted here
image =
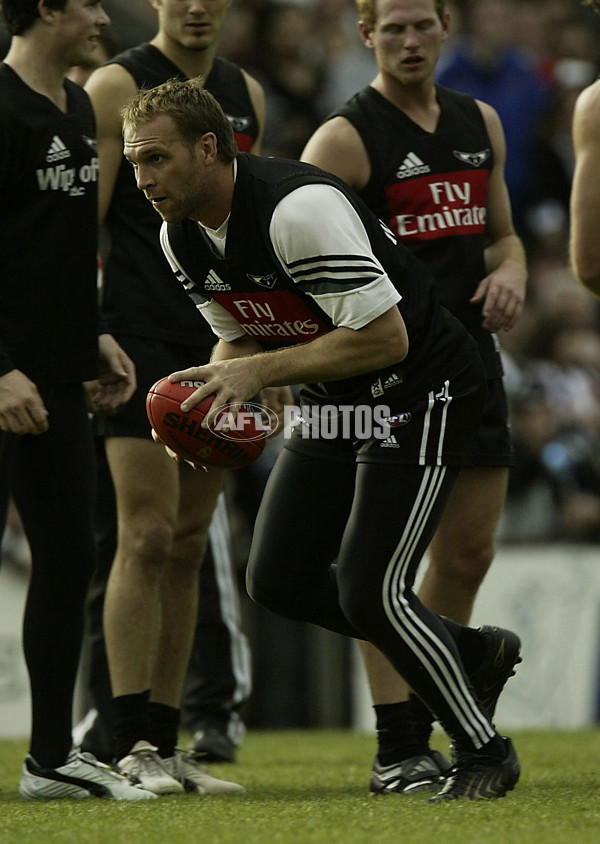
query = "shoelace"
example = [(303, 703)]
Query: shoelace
[(184, 761), (96, 763), (150, 761)]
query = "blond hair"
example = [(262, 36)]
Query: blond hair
[(368, 15), (193, 110)]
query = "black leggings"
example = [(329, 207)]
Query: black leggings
[(376, 520), (51, 478)]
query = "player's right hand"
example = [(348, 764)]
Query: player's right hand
[(22, 410)]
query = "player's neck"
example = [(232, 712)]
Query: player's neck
[(38, 69), (191, 62), (419, 102), (214, 212)]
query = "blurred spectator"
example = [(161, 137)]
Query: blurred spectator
[(308, 56), (554, 486), (291, 72), (553, 161), (486, 64), (572, 50), (554, 489), (569, 372), (349, 67), (131, 22)]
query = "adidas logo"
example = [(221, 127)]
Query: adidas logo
[(214, 284), (424, 766), (393, 381), (389, 443), (412, 166), (57, 150), (379, 387)]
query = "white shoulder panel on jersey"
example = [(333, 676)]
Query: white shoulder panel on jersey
[(321, 241)]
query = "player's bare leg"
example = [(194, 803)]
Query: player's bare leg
[(147, 489), (179, 588), (464, 545), (164, 510)]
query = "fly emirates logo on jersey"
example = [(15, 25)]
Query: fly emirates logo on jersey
[(442, 205), (274, 316)]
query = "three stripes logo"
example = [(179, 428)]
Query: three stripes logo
[(412, 166), (57, 151), (214, 284)]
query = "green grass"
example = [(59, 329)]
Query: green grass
[(310, 787)]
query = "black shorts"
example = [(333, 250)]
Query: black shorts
[(494, 445), (438, 428), (153, 360)]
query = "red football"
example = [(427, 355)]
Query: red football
[(228, 444)]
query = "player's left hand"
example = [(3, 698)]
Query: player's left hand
[(502, 295), (116, 381), (276, 399)]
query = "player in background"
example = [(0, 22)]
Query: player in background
[(164, 511), (429, 161), (585, 193), (51, 342)]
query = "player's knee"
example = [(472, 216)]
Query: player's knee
[(273, 593), (360, 606), (149, 544), (188, 551), (467, 565)]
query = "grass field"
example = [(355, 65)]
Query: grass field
[(310, 787)]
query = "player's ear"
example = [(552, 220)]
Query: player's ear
[(207, 145), (446, 25), (46, 13), (365, 33)]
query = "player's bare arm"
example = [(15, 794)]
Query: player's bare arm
[(585, 193), (257, 96), (337, 148), (502, 291), (109, 88), (341, 353)]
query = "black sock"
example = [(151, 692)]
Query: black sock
[(396, 737), (422, 719), (495, 748), (132, 721), (469, 643), (164, 727)]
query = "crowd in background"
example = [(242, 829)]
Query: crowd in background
[(529, 59)]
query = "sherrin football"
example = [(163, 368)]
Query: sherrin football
[(230, 443)]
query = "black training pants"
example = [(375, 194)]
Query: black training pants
[(376, 521), (51, 478)]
